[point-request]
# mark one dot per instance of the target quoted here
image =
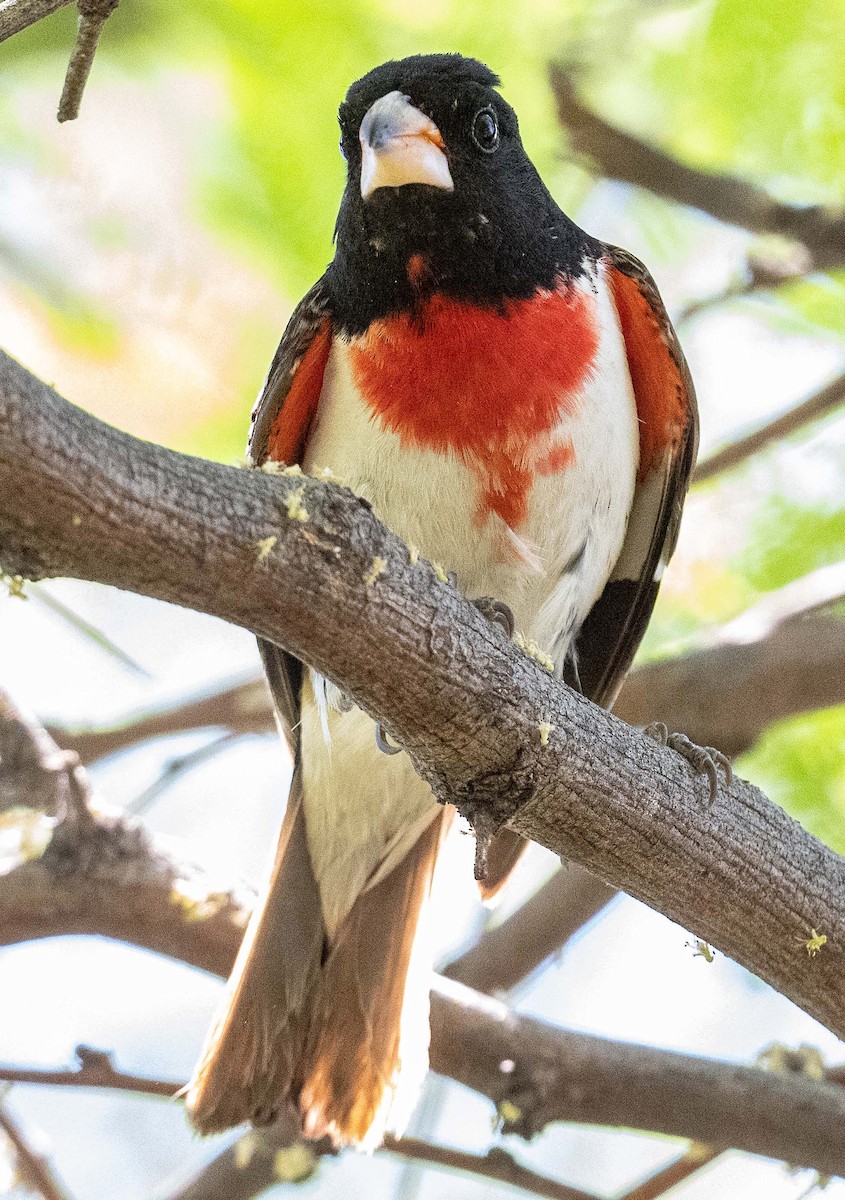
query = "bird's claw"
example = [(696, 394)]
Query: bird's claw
[(497, 612), (706, 760), (383, 744)]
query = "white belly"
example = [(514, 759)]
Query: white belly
[(363, 809)]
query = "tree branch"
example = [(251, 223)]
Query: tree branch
[(239, 708), (820, 404), (84, 500), (104, 877), (504, 955), (93, 15), (94, 1069), (16, 15), (620, 155), (34, 1169), (696, 1157), (728, 694), (773, 661), (496, 1164)]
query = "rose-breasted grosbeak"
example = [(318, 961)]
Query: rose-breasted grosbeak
[(509, 395)]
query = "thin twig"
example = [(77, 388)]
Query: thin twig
[(92, 17), (95, 1069), (507, 953), (495, 1164), (696, 1157), (822, 402), (175, 769), (34, 1169), (16, 15), (764, 270), (240, 708), (88, 631)]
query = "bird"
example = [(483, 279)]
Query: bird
[(508, 394)]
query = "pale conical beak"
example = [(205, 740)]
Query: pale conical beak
[(400, 145)]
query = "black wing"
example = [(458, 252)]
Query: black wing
[(281, 420)]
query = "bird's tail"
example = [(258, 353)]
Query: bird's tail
[(338, 1030)]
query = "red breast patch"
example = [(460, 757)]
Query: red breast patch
[(484, 383)]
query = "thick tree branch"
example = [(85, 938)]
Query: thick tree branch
[(774, 661), (252, 1165), (820, 404), (483, 723), (104, 877), (621, 155)]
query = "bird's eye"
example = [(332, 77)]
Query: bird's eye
[(485, 130)]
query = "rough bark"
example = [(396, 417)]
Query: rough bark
[(16, 15), (483, 722), (90, 870)]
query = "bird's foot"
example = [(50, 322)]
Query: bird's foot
[(383, 744), (706, 760), (497, 612)]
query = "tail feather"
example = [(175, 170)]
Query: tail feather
[(252, 1056), (368, 1051)]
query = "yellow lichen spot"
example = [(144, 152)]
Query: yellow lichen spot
[(378, 567), (264, 546), (698, 1152), (545, 728), (413, 554), (509, 1112), (76, 520), (15, 585), (815, 942), (271, 467), (531, 648), (785, 1060), (296, 509), (439, 572), (25, 834), (294, 469), (294, 1163), (245, 461), (702, 949), (246, 1148), (194, 903)]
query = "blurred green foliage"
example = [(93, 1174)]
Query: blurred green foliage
[(790, 539), (800, 763), (737, 85)]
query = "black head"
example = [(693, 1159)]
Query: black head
[(440, 194)]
